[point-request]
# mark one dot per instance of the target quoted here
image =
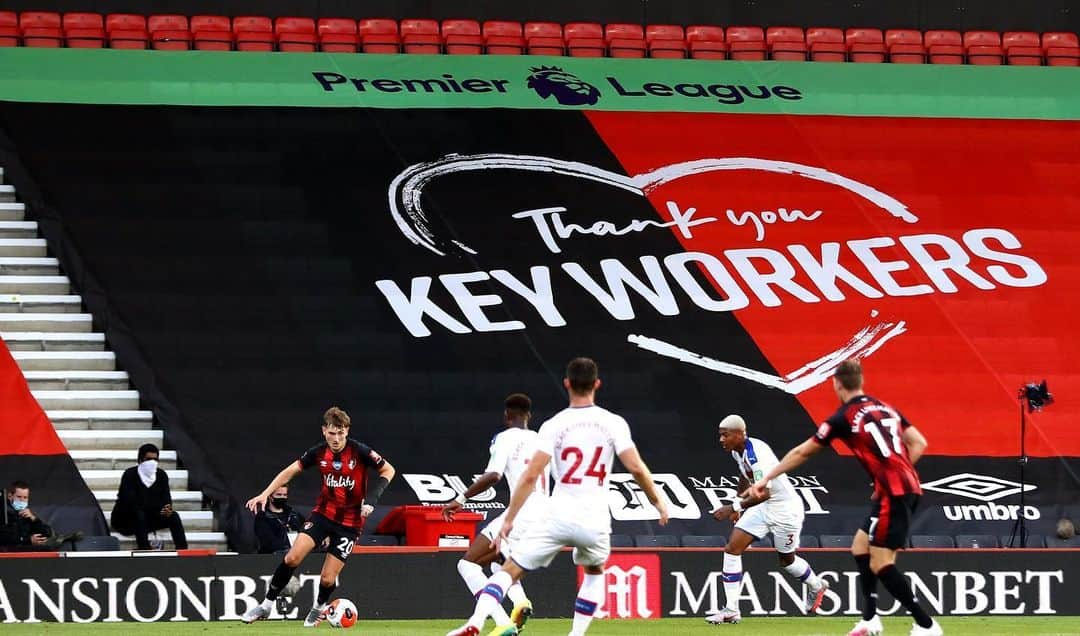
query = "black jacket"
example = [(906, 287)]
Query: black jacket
[(15, 531), (134, 495), (272, 528)]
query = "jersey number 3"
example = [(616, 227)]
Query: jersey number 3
[(595, 469)]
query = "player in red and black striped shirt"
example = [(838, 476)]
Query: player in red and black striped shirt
[(345, 501), (887, 446)]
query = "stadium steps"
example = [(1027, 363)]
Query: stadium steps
[(39, 303), (196, 540), (74, 378)]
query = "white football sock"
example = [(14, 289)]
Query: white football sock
[(800, 570), (732, 576), (490, 600), (589, 597), (474, 578)]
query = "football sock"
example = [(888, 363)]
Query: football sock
[(589, 596), (800, 570), (517, 594), (324, 593), (899, 587), (490, 598), (868, 583), (474, 578), (732, 576), (278, 582)]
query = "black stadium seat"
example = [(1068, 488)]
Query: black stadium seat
[(98, 544), (836, 540), (809, 541), (932, 541), (1055, 542), (976, 541), (622, 541), (656, 541), (1033, 541), (763, 542), (376, 539), (703, 541)]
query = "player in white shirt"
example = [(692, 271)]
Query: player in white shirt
[(583, 441), (511, 451), (779, 512)]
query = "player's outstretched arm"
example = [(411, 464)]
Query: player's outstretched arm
[(485, 481), (635, 465), (915, 442), (795, 457), (284, 477)]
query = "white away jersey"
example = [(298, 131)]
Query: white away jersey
[(756, 460), (511, 451), (583, 442)]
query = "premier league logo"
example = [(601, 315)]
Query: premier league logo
[(568, 89)]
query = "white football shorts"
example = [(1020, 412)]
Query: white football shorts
[(542, 540), (785, 525)]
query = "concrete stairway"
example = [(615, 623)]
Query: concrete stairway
[(74, 378)]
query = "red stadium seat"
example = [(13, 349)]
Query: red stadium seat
[(84, 30), (337, 35), (544, 38), (666, 41), (983, 47), (944, 47), (502, 37), (212, 33), (169, 32), (378, 35), (421, 36), (625, 40), (585, 39), (826, 44), (1022, 48), (462, 37), (706, 42), (1061, 49), (253, 33), (786, 44), (295, 35), (41, 29), (746, 43), (905, 46), (126, 31), (865, 45), (9, 28)]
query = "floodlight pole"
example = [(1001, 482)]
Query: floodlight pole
[(1020, 527)]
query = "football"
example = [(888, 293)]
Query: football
[(341, 613)]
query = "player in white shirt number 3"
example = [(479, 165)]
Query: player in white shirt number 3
[(582, 441), (779, 512)]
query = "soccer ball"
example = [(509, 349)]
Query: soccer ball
[(341, 613)]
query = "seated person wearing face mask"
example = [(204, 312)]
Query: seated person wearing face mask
[(144, 502), (20, 528), (273, 523)]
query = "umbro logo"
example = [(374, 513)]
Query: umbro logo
[(980, 487)]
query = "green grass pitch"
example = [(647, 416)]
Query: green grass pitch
[(801, 626)]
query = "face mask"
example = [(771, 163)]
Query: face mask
[(280, 501), (148, 468), (19, 505)]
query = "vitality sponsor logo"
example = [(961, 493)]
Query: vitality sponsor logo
[(340, 481), (567, 89), (632, 587), (982, 488)]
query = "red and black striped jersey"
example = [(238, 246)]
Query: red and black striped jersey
[(872, 430), (344, 479)]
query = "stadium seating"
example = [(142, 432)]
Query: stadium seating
[(462, 37), (826, 44), (763, 542), (865, 45), (97, 544), (1033, 541), (337, 35), (932, 541), (585, 39), (169, 32), (706, 42), (622, 541), (41, 29), (786, 44), (1057, 542), (666, 41), (544, 38), (836, 540), (253, 33), (377, 540), (212, 33), (809, 541), (502, 37), (703, 541), (976, 541), (656, 541), (378, 35), (84, 30)]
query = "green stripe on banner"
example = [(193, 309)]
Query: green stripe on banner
[(207, 78)]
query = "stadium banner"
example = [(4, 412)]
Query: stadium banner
[(640, 584), (209, 78)]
